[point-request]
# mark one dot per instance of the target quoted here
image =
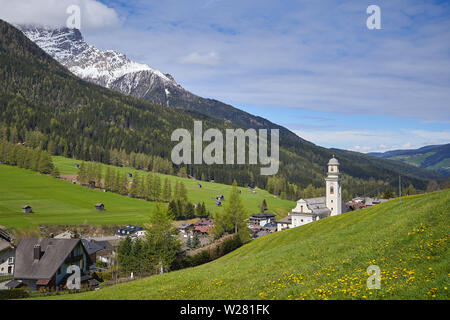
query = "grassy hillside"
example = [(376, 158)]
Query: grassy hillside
[(205, 194), (327, 259), (58, 202)]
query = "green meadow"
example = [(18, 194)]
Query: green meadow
[(206, 193), (59, 202), (327, 259)]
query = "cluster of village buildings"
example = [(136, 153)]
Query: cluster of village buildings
[(44, 263)]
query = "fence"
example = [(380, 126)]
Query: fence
[(5, 277)]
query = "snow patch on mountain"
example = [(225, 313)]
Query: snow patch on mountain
[(103, 67)]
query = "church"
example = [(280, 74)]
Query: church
[(312, 209)]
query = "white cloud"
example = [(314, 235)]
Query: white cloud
[(94, 14), (375, 140), (211, 58)]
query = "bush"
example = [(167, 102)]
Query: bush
[(14, 294), (206, 255)]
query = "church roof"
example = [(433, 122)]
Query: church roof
[(317, 206), (333, 162)]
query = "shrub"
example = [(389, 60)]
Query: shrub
[(14, 294)]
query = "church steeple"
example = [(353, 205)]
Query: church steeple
[(332, 181)]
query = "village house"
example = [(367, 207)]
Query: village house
[(43, 263), (98, 250), (66, 235), (186, 229), (261, 219), (27, 209), (284, 223), (99, 207), (203, 226), (7, 252), (131, 231), (313, 209)]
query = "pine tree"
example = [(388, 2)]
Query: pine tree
[(45, 163), (233, 218), (98, 175), (123, 186), (167, 190), (173, 210), (161, 239), (108, 179), (183, 192), (148, 188), (156, 188), (134, 190), (188, 210), (195, 241)]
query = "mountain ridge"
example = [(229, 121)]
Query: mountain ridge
[(42, 100), (432, 157)]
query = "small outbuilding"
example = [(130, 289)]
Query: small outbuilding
[(99, 206), (27, 209)]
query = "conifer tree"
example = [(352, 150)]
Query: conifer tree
[(156, 188), (188, 210), (183, 191), (123, 185), (173, 210), (134, 190), (167, 190), (108, 179), (233, 218)]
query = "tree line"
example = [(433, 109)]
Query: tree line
[(28, 158)]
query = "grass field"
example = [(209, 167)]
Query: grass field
[(205, 194), (327, 259), (58, 202)]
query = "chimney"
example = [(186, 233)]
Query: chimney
[(37, 252)]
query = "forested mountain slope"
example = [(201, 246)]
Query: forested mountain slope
[(44, 105)]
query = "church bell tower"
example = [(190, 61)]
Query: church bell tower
[(332, 181)]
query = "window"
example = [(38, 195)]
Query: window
[(331, 190), (11, 260)]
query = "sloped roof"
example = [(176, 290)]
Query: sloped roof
[(287, 219), (55, 251), (93, 246), (317, 206), (333, 161), (4, 244)]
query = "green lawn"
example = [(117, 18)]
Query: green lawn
[(327, 259), (58, 202), (205, 194)]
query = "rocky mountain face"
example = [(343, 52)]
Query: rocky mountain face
[(107, 68)]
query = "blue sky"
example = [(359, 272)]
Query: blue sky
[(312, 66)]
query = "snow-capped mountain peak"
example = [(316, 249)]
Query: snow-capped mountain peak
[(103, 67)]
